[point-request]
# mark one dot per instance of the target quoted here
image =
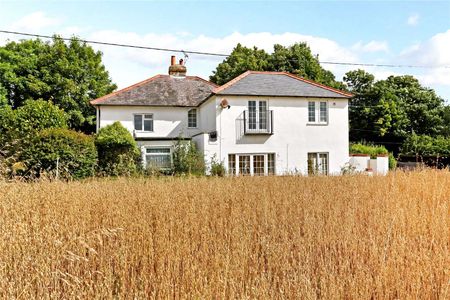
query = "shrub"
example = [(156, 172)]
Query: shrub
[(373, 151), (217, 167), (425, 145), (118, 153), (60, 151), (186, 159), (37, 115)]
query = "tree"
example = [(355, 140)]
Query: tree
[(241, 60), (62, 152), (27, 120), (296, 59), (68, 74), (299, 60), (388, 111), (118, 153), (446, 117)]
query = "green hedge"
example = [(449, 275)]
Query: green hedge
[(74, 151), (373, 151), (118, 153), (425, 145)]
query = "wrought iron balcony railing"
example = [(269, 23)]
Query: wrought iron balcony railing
[(258, 122)]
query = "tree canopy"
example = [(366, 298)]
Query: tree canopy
[(388, 111), (68, 74), (296, 59)]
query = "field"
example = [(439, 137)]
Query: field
[(214, 238)]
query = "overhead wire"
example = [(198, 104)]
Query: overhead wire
[(209, 53)]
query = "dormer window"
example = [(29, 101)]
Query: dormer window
[(192, 118), (143, 122)]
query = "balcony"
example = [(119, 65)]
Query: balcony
[(258, 122)]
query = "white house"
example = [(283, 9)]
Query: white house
[(258, 123)]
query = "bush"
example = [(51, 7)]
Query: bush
[(118, 153), (217, 167), (424, 145), (186, 159), (36, 115), (73, 152), (373, 151)]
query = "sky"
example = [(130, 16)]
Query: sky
[(375, 32)]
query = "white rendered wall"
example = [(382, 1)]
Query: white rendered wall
[(167, 121), (293, 137)]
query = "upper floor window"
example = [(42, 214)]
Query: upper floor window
[(192, 118), (143, 122), (318, 112)]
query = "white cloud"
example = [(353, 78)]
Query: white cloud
[(433, 52), (372, 46), (153, 62), (35, 21), (413, 19)]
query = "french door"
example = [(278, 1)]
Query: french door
[(251, 164), (257, 115)]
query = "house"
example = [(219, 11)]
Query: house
[(259, 123)]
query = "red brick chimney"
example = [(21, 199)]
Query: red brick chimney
[(177, 70)]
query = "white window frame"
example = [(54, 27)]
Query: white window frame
[(170, 154), (261, 118), (251, 163), (317, 115), (143, 121), (318, 166), (196, 118)]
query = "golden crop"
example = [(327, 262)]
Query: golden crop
[(212, 238)]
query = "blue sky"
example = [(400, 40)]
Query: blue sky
[(394, 32)]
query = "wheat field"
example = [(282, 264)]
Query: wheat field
[(350, 237)]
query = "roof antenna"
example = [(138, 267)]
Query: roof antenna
[(185, 56)]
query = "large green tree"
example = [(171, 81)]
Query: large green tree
[(388, 111), (67, 73), (296, 59)]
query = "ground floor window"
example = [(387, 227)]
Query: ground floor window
[(251, 164), (158, 157), (317, 163)]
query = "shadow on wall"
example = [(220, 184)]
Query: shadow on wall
[(242, 138)]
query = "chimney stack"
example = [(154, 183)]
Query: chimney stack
[(177, 70)]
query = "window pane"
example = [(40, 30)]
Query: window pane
[(262, 118), (148, 125), (158, 158), (158, 161), (323, 163), (148, 116), (244, 165), (137, 122), (311, 111), (232, 164), (192, 118), (251, 114), (158, 150), (271, 163), (312, 163), (323, 112), (258, 165)]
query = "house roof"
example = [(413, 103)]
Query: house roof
[(161, 90), (166, 90), (254, 83)]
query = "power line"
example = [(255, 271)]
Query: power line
[(114, 44), (211, 53)]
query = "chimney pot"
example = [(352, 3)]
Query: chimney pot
[(172, 60), (181, 62)]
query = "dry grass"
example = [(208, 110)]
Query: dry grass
[(290, 237)]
